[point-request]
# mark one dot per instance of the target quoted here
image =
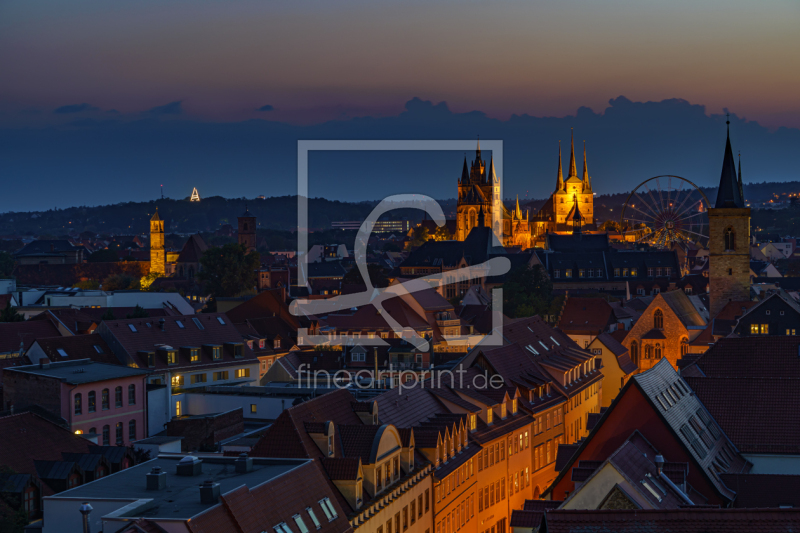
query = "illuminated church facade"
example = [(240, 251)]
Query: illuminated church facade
[(572, 202)]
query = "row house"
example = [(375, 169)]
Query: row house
[(100, 399), (181, 353), (382, 482)]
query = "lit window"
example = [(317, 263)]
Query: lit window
[(616, 272), (242, 372), (253, 408), (568, 273)]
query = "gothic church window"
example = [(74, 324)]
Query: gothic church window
[(635, 353), (730, 239), (658, 319)]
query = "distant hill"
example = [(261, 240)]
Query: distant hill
[(280, 213)]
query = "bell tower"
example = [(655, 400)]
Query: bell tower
[(247, 230), (158, 255), (729, 239)]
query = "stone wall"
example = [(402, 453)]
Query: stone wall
[(728, 270)]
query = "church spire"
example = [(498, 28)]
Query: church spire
[(491, 177), (587, 186), (741, 186), (478, 151), (577, 218), (464, 172), (517, 210), (560, 178), (728, 193), (573, 171)]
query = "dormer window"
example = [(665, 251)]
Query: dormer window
[(473, 422), (330, 446), (514, 406), (503, 410), (277, 343), (489, 414)]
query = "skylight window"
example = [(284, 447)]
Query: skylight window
[(98, 348), (327, 508), (313, 517), (555, 341), (543, 346), (282, 528), (300, 524), (61, 352), (180, 324), (219, 319), (132, 327), (197, 323), (531, 349)]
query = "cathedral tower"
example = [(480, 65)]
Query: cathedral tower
[(158, 255), (247, 230), (729, 239)]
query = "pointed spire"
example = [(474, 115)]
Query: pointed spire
[(491, 177), (586, 185), (464, 172), (573, 171), (741, 186), (478, 151), (577, 218), (481, 218), (560, 178), (155, 217), (728, 193), (517, 210)]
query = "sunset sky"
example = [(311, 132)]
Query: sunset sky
[(211, 93), (313, 60)]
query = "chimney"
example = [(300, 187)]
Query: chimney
[(189, 466), (156, 479), (209, 493), (44, 362), (85, 510), (161, 322), (660, 464), (243, 464)]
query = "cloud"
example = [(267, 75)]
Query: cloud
[(172, 108), (74, 108), (265, 108)]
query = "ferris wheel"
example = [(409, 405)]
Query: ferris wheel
[(664, 210)]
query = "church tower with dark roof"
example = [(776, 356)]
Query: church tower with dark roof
[(729, 239), (247, 230)]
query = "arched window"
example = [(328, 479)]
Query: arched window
[(92, 402), (658, 319), (473, 220), (106, 435), (132, 430), (244, 226), (118, 397), (684, 346), (105, 399), (730, 239), (635, 353), (191, 273), (78, 403), (648, 352), (118, 435), (658, 350), (131, 394)]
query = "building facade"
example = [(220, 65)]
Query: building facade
[(247, 230)]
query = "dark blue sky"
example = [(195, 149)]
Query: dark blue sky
[(91, 160)]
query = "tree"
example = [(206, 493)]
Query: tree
[(229, 270), (6, 264), (443, 234), (377, 276), (610, 225), (527, 292), (120, 282), (9, 314), (108, 315), (138, 312), (147, 281), (103, 256), (87, 284), (419, 236)]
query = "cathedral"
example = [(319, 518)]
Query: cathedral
[(570, 208), (571, 201), (479, 199)]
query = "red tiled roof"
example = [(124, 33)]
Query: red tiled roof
[(686, 520), (586, 314), (527, 519), (149, 336), (78, 347), (760, 415), (764, 490), (193, 250), (288, 437), (341, 468), (265, 304), (14, 333), (26, 437), (766, 357)]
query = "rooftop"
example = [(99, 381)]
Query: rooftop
[(79, 371)]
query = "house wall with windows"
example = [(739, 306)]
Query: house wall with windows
[(659, 333)]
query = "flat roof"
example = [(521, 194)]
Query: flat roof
[(80, 371), (181, 498), (160, 439)]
